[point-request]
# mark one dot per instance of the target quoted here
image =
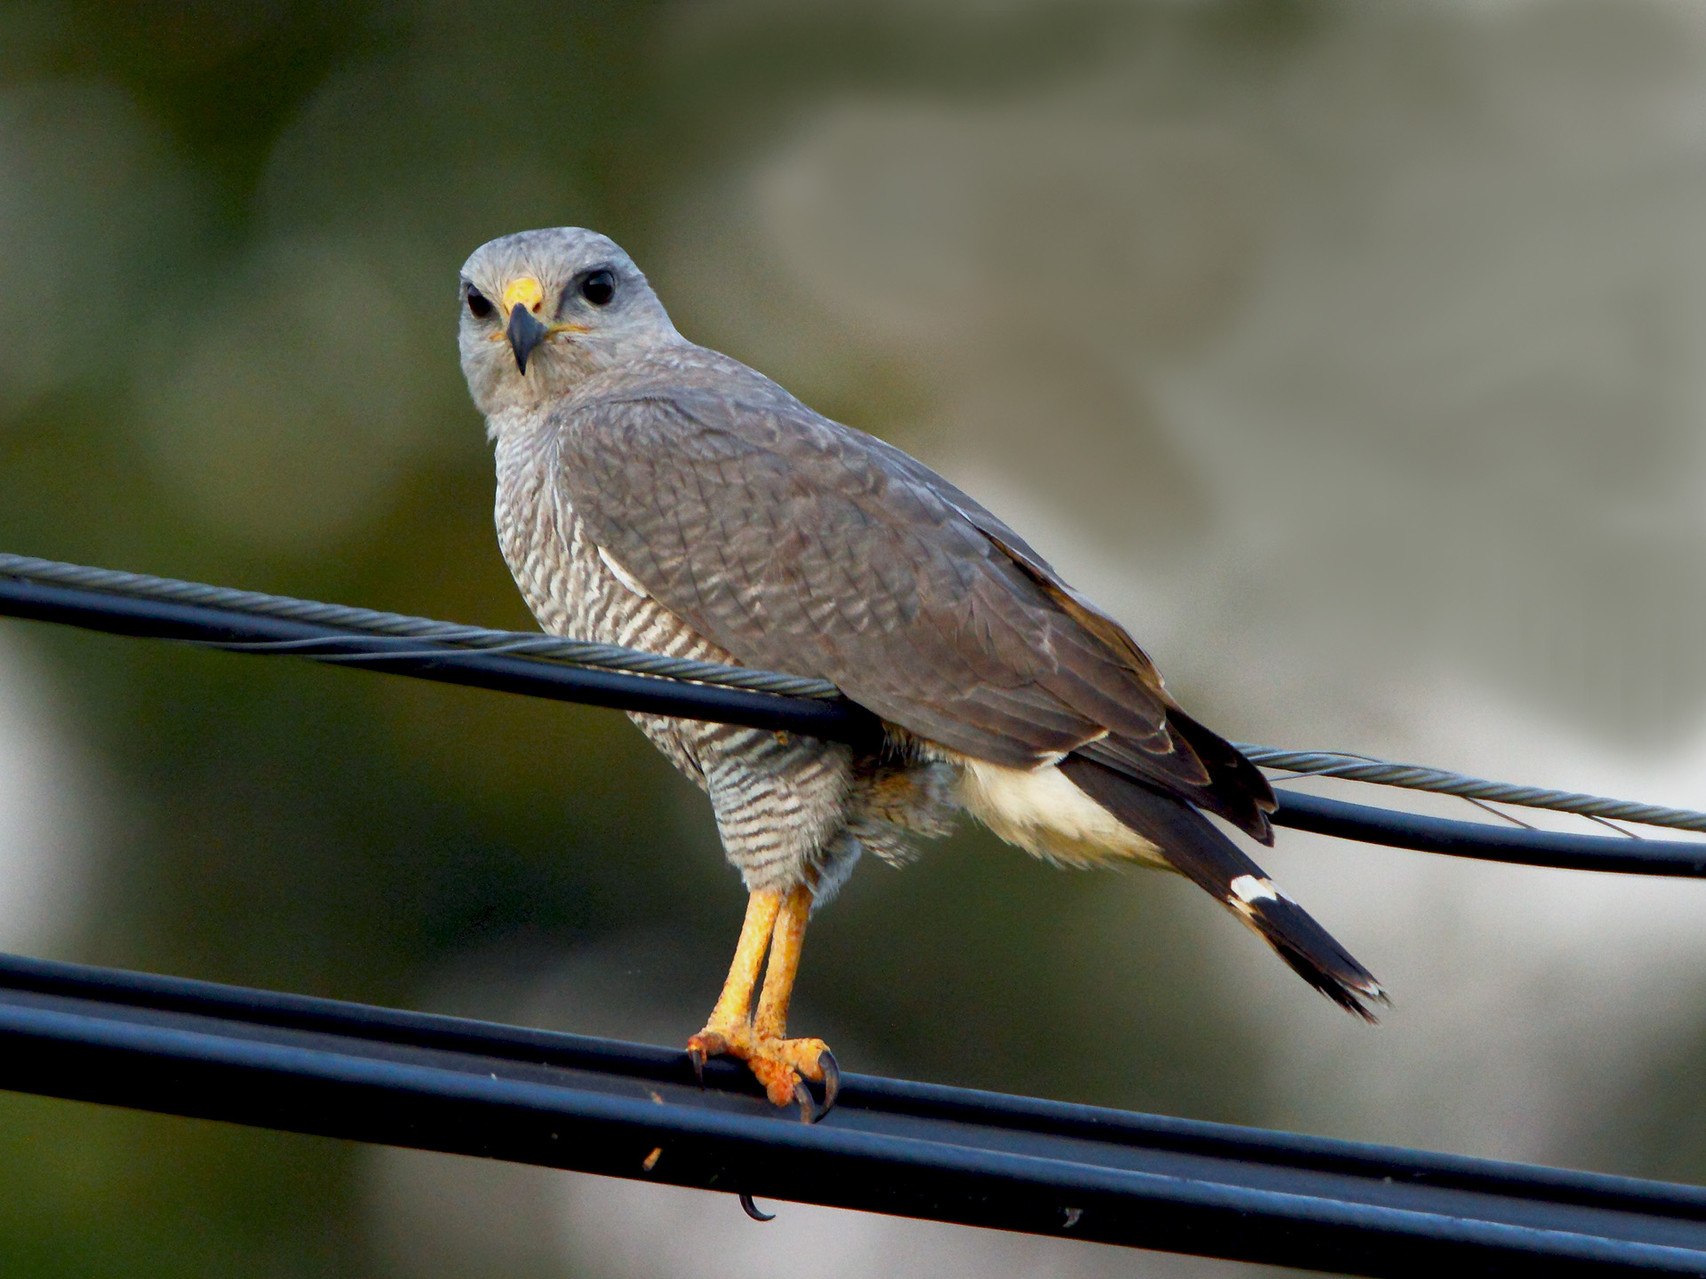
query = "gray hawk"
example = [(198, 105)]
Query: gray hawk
[(656, 494)]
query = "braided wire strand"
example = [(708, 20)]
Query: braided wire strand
[(449, 637), (1441, 781), (401, 626)]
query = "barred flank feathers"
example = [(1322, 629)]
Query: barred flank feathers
[(1193, 846)]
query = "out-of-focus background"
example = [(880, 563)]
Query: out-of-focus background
[(1355, 356)]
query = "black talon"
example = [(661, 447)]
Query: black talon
[(751, 1209), (831, 1080), (809, 1112), (698, 1060)]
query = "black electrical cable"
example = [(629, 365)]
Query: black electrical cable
[(1486, 842), (948, 1154), (831, 720), (504, 672)]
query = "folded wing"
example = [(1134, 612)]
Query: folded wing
[(801, 545)]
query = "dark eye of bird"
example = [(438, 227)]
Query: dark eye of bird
[(479, 305), (599, 287)]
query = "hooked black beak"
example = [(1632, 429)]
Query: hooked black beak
[(525, 332)]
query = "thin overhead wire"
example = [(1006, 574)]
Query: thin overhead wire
[(207, 626), (628, 679), (1363, 768), (1483, 841), (446, 636)]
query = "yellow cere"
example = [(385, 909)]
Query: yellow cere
[(523, 292)]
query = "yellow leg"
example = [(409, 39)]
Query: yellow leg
[(787, 939), (734, 1005), (775, 921)]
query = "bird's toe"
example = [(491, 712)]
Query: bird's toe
[(785, 1067)]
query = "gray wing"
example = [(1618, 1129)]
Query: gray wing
[(801, 545)]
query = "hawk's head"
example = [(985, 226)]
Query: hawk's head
[(543, 310)]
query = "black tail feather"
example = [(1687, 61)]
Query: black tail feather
[(1197, 849), (1241, 794), (1235, 789)]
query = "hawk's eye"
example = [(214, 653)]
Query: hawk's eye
[(599, 287), (479, 305)]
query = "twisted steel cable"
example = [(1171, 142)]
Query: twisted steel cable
[(407, 636), (402, 626), (1379, 772)]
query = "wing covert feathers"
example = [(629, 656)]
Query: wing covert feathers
[(801, 545), (1194, 847)]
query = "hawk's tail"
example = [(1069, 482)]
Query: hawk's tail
[(1193, 846)]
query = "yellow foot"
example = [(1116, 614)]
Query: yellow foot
[(783, 1066)]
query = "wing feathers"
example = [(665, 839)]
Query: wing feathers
[(802, 545)]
